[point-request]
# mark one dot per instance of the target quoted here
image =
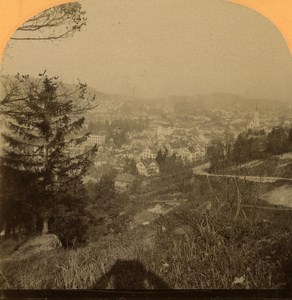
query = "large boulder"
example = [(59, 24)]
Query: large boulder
[(36, 245)]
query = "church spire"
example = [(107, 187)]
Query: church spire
[(255, 122)]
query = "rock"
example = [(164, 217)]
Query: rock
[(37, 244), (184, 230)]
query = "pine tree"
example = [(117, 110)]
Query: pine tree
[(43, 118), (278, 141)]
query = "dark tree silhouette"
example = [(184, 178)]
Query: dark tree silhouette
[(215, 153), (130, 166), (278, 141)]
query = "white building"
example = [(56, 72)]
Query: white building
[(124, 182), (149, 153), (95, 139), (147, 167)]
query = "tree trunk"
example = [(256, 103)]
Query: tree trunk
[(45, 228), (38, 225), (7, 230)]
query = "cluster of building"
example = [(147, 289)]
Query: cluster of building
[(187, 139), (142, 149)]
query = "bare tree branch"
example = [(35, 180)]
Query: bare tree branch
[(56, 23)]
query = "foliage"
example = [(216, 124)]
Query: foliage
[(105, 192), (290, 137), (214, 252), (249, 145), (70, 227), (17, 199), (161, 156), (224, 249), (106, 198), (169, 164), (216, 153), (118, 129), (130, 166), (43, 117), (277, 141)]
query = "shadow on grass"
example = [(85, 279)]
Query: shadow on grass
[(130, 274)]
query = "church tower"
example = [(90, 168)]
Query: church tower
[(255, 122)]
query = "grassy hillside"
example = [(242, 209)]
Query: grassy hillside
[(167, 238), (181, 249)]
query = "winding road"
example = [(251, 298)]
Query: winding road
[(201, 171)]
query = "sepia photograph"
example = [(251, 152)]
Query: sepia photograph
[(146, 146)]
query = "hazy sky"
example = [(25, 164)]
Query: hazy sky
[(159, 48)]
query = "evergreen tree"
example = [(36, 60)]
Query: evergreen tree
[(130, 166), (290, 135), (171, 164), (278, 141), (159, 157), (43, 118), (290, 139), (216, 154), (241, 149)]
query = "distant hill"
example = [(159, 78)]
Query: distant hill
[(214, 101), (230, 101)]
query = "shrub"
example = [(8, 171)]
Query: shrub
[(71, 228)]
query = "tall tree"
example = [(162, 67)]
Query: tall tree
[(161, 156), (43, 118), (241, 149), (216, 153), (278, 141), (56, 23), (130, 166)]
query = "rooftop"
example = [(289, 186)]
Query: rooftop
[(124, 177)]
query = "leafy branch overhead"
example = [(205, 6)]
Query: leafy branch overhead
[(56, 23)]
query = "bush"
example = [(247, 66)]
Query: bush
[(219, 251), (71, 229)]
